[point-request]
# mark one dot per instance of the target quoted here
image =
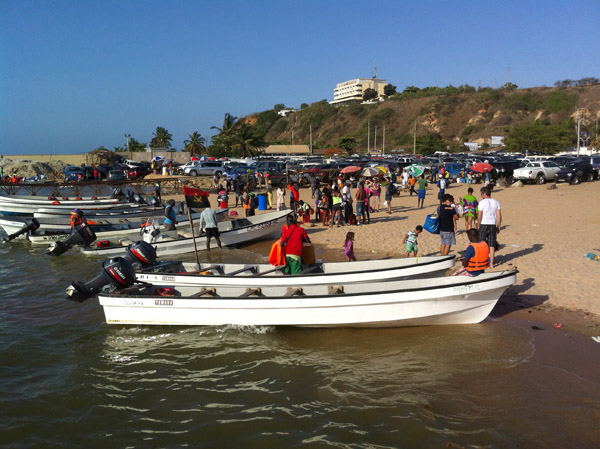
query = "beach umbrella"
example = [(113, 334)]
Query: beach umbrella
[(416, 169), (482, 167), (384, 170), (350, 169), (371, 171)]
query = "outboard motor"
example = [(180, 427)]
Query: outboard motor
[(116, 274), (140, 255), (116, 193), (30, 224), (153, 201), (151, 233), (82, 234), (138, 199)]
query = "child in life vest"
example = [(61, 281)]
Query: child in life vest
[(477, 257)]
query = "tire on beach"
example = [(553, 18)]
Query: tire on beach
[(540, 179), (575, 180)]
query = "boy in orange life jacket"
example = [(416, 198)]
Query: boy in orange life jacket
[(76, 218), (477, 257)]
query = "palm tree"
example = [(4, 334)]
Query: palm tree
[(162, 138), (247, 141), (228, 123), (196, 144)]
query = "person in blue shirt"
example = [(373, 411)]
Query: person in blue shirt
[(170, 220)]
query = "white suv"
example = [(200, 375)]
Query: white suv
[(196, 168)]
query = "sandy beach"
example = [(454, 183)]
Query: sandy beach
[(545, 234)]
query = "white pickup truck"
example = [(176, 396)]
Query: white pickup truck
[(538, 172)]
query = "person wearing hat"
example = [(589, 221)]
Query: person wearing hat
[(76, 218)]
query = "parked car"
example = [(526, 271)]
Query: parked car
[(269, 165), (454, 169), (138, 172), (504, 169), (576, 171), (203, 168), (538, 172), (116, 175), (73, 173)]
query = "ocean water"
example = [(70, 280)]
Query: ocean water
[(69, 380)]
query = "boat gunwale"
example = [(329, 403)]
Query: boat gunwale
[(299, 275), (467, 281)]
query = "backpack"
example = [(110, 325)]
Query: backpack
[(394, 189), (254, 202)]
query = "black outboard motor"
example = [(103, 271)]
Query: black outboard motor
[(116, 274), (30, 224), (117, 193), (140, 254), (82, 234), (153, 201), (138, 199)]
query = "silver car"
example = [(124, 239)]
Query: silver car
[(204, 168)]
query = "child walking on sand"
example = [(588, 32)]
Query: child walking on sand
[(349, 247), (410, 239)]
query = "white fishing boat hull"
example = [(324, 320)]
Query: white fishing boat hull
[(433, 301), (260, 227), (9, 209), (328, 273), (131, 228)]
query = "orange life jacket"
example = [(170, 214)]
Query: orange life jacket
[(277, 254), (75, 220), (481, 260)]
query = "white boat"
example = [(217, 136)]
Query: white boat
[(124, 229), (322, 273), (44, 201), (431, 301), (233, 232), (28, 209)]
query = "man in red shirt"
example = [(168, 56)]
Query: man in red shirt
[(293, 236)]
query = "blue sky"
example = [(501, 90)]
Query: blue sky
[(75, 75)]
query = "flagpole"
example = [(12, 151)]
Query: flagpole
[(193, 235)]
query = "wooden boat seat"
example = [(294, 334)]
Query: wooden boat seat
[(186, 235), (205, 291), (125, 242), (294, 291), (335, 290), (167, 238), (251, 292)]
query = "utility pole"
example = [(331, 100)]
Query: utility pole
[(375, 141), (368, 136), (507, 72), (415, 139), (578, 129), (311, 147), (383, 145), (127, 137)]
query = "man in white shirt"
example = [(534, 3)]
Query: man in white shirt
[(489, 218), (208, 218)]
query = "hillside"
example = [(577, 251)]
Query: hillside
[(458, 117)]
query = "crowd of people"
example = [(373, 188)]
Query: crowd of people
[(337, 205), (350, 202)]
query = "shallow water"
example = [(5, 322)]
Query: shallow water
[(70, 380)]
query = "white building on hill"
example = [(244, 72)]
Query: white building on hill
[(352, 91)]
